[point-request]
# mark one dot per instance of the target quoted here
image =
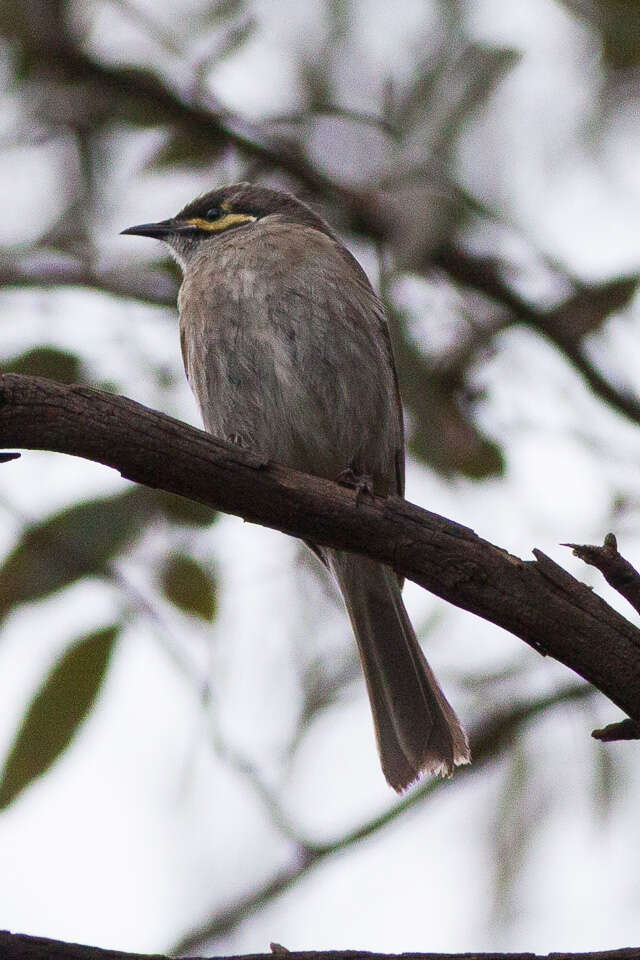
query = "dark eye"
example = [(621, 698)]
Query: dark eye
[(213, 213)]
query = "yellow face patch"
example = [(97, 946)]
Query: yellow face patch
[(222, 223)]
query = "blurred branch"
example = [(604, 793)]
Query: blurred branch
[(565, 326), (486, 743), (150, 285), (374, 120), (150, 26), (159, 103), (535, 600), (259, 786)]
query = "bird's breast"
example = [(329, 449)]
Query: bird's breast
[(280, 353)]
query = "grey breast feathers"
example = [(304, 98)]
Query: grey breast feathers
[(285, 343)]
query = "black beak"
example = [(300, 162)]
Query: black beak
[(159, 231)]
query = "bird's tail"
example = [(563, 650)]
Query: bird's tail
[(416, 728)]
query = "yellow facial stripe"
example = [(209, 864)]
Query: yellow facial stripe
[(222, 223)]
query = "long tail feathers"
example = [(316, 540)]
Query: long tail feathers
[(416, 728)]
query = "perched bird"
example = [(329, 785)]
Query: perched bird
[(286, 348)]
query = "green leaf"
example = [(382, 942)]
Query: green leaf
[(57, 711), (618, 23), (188, 585), (588, 309), (224, 10), (186, 512), (46, 362), (191, 148), (72, 544), (445, 92)]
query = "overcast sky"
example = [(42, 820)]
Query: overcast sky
[(141, 830)]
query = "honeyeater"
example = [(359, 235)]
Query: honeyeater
[(287, 350)]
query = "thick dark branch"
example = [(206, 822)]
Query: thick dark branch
[(535, 600), (623, 577), (19, 946), (15, 946)]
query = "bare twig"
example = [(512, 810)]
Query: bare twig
[(625, 730), (617, 571)]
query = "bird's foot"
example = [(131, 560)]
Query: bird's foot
[(250, 455), (361, 483)]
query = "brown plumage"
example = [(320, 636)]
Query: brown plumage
[(286, 348)]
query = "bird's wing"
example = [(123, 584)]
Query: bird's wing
[(381, 318)]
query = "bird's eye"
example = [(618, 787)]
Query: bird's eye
[(213, 213)]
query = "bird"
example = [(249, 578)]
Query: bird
[(287, 350)]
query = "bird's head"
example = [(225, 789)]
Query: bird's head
[(236, 207)]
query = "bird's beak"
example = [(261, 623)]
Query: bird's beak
[(159, 230)]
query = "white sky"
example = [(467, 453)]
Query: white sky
[(140, 830)]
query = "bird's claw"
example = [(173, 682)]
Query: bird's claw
[(361, 483)]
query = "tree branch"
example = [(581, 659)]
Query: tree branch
[(535, 600), (49, 271), (624, 578), (17, 946), (617, 571), (591, 305)]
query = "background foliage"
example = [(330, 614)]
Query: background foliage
[(481, 161)]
